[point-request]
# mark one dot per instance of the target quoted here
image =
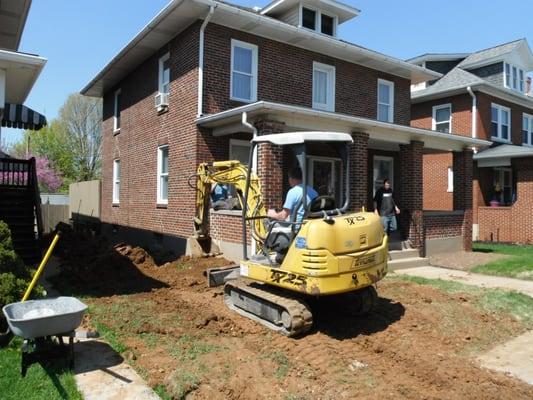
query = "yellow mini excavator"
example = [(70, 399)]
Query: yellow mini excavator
[(331, 252)]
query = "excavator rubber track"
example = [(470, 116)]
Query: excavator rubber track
[(269, 306)]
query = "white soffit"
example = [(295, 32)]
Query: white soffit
[(22, 70)]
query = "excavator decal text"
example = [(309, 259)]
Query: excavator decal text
[(278, 276), (351, 220)]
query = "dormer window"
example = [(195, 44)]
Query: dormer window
[(309, 18), (513, 77), (318, 21)]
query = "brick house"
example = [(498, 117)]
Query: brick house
[(207, 65), (485, 95)]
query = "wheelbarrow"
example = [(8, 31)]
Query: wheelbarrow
[(38, 321)]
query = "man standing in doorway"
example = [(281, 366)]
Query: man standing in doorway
[(385, 207)]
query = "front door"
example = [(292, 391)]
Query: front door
[(383, 169)]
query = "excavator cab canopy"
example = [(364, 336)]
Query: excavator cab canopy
[(297, 142)]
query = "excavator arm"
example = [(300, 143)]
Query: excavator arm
[(233, 173)]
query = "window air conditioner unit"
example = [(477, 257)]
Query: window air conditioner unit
[(161, 101)]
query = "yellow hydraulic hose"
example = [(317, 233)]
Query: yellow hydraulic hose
[(41, 267)]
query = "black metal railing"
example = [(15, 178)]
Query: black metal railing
[(16, 173)]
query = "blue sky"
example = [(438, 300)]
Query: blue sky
[(79, 37)]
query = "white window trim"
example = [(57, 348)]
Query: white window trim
[(391, 178), (254, 48), (160, 75), (116, 180), (450, 180), (508, 83), (530, 129), (434, 115), (336, 185), (237, 142), (318, 20), (330, 94), (499, 137), (160, 174), (116, 111), (391, 105)]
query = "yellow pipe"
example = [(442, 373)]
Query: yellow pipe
[(41, 267)]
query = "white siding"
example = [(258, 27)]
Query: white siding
[(292, 16)]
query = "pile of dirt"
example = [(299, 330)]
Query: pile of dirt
[(90, 265)]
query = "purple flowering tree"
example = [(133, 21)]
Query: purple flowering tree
[(49, 179)]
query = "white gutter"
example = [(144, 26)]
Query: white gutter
[(474, 112), (244, 121), (201, 60)]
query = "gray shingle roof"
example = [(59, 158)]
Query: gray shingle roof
[(492, 52), (504, 150), (456, 78)]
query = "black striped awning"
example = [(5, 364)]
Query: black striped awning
[(22, 117)]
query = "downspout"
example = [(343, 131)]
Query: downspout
[(201, 61), (474, 114), (244, 121)]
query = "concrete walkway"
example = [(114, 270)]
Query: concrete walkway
[(514, 357), (99, 371), (102, 374), (468, 278)]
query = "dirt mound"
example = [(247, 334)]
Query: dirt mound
[(90, 265)]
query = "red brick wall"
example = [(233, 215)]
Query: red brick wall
[(422, 113), (436, 195), (227, 227), (484, 110), (515, 223), (285, 76), (142, 131), (443, 225)]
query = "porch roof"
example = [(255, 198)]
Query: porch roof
[(504, 151), (305, 118)]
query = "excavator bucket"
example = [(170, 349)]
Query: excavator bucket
[(202, 247)]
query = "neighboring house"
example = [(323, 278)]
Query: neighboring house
[(19, 193), (176, 94), (484, 95)]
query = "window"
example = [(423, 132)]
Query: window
[(450, 179), (324, 175), (162, 175), (308, 18), (243, 80), (385, 100), (527, 129), (164, 74), (116, 181), (239, 150), (327, 25), (500, 123), (116, 111), (323, 87), (318, 21), (503, 186), (513, 77), (442, 118)]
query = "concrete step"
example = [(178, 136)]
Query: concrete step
[(403, 254), (410, 262), (399, 245)]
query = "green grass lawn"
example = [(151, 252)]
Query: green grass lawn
[(519, 265), (50, 383)]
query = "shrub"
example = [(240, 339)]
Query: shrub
[(14, 275)]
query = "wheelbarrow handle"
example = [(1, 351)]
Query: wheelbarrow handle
[(41, 266)]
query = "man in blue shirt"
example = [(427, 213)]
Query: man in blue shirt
[(294, 195)]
